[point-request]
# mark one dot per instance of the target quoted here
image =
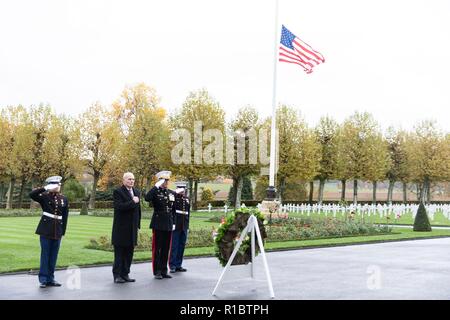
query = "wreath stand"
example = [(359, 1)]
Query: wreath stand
[(252, 226)]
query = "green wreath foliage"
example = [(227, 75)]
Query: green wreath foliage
[(229, 233)]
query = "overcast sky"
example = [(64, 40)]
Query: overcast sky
[(391, 58)]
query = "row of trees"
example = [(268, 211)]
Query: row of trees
[(136, 134)]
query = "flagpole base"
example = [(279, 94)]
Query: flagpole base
[(271, 193), (270, 206)]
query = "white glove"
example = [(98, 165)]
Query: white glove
[(50, 187), (173, 227), (159, 183)]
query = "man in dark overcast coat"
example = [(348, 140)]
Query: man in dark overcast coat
[(127, 222)]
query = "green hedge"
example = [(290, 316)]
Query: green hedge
[(279, 230), (307, 228), (20, 212), (196, 238)]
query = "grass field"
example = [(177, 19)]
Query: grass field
[(20, 250)]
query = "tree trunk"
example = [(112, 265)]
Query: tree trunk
[(374, 192), (63, 182), (34, 204), (240, 183), (421, 191), (321, 188), (94, 190), (311, 191), (10, 193), (282, 188), (148, 186), (428, 193), (233, 189), (191, 191), (344, 185), (355, 191), (390, 191), (405, 194), (195, 194), (23, 183), (2, 191)]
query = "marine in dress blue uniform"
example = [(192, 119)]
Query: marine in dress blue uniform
[(51, 227), (181, 210), (162, 223)]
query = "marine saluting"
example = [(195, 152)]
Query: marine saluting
[(181, 209), (162, 223), (51, 227)]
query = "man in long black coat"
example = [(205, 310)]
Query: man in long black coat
[(127, 222)]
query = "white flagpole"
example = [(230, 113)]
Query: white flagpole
[(271, 190)]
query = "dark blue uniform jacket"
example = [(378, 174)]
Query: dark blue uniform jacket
[(54, 203)]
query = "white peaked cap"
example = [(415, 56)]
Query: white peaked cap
[(163, 175), (53, 180)]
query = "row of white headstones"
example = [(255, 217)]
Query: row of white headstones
[(398, 210), (383, 210)]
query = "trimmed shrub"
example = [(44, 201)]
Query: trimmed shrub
[(421, 222), (104, 195), (246, 193), (84, 209), (247, 189), (73, 190), (207, 195)]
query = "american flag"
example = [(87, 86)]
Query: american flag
[(294, 50)]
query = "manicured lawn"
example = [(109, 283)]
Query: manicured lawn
[(19, 246)]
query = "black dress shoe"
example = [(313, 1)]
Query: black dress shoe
[(119, 280), (128, 279), (166, 276), (54, 284), (42, 285), (158, 276), (181, 269)]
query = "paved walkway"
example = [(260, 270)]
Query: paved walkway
[(418, 269)]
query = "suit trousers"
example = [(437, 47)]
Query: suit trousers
[(49, 255), (123, 256), (160, 251)]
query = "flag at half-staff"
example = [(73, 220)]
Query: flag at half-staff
[(294, 50)]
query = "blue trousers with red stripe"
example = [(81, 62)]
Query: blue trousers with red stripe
[(177, 251)]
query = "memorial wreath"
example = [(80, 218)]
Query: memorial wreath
[(228, 235)]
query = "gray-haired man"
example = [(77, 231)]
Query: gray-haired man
[(127, 222)]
